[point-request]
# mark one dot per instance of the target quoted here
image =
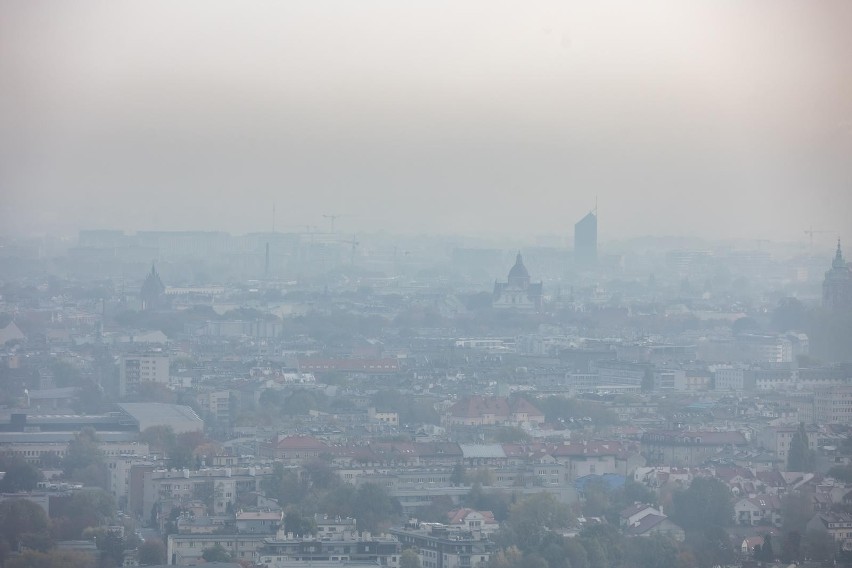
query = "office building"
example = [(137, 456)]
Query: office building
[(586, 241)]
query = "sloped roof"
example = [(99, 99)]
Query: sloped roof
[(10, 333), (482, 451), (458, 516), (301, 443)]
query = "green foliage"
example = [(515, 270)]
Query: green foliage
[(22, 520), (111, 546), (374, 508), (796, 510), (711, 546), (764, 552), (20, 475), (800, 457), (791, 548), (482, 476), (841, 473), (652, 552), (458, 476), (84, 460), (706, 503), (216, 554), (531, 518), (497, 502), (152, 551), (597, 498), (338, 501), (411, 410), (181, 454), (284, 485), (436, 511), (819, 546), (511, 434), (160, 439), (86, 508), (295, 523), (409, 559)]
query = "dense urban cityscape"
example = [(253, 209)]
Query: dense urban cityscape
[(477, 284), (320, 399)]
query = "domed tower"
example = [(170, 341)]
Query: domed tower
[(519, 278), (837, 286), (518, 293)]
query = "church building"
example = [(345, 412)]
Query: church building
[(518, 292), (153, 291), (837, 286)]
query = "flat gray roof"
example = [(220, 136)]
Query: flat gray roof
[(180, 418)]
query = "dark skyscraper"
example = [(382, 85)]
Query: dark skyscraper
[(586, 241)]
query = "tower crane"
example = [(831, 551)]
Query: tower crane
[(811, 232)]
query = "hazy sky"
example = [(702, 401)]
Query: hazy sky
[(709, 118)]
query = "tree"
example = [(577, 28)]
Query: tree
[(819, 546), (152, 551), (797, 510), (436, 511), (160, 438), (482, 476), (458, 476), (596, 493), (111, 545), (800, 457), (531, 518), (216, 554), (285, 486), (295, 523), (841, 473), (706, 503), (791, 547), (84, 458), (409, 559), (321, 474), (22, 520), (373, 507), (86, 508), (338, 501), (20, 476), (711, 546), (652, 552), (764, 552), (182, 453)]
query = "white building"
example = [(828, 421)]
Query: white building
[(135, 370)]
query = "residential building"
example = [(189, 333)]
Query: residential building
[(443, 546), (137, 370)]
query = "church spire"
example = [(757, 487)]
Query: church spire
[(838, 257)]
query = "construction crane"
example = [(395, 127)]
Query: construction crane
[(332, 218), (811, 232), (354, 242)]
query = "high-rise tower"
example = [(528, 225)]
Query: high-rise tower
[(586, 241)]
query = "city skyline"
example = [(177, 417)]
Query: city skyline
[(682, 119)]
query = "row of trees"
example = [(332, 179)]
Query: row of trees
[(318, 489)]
